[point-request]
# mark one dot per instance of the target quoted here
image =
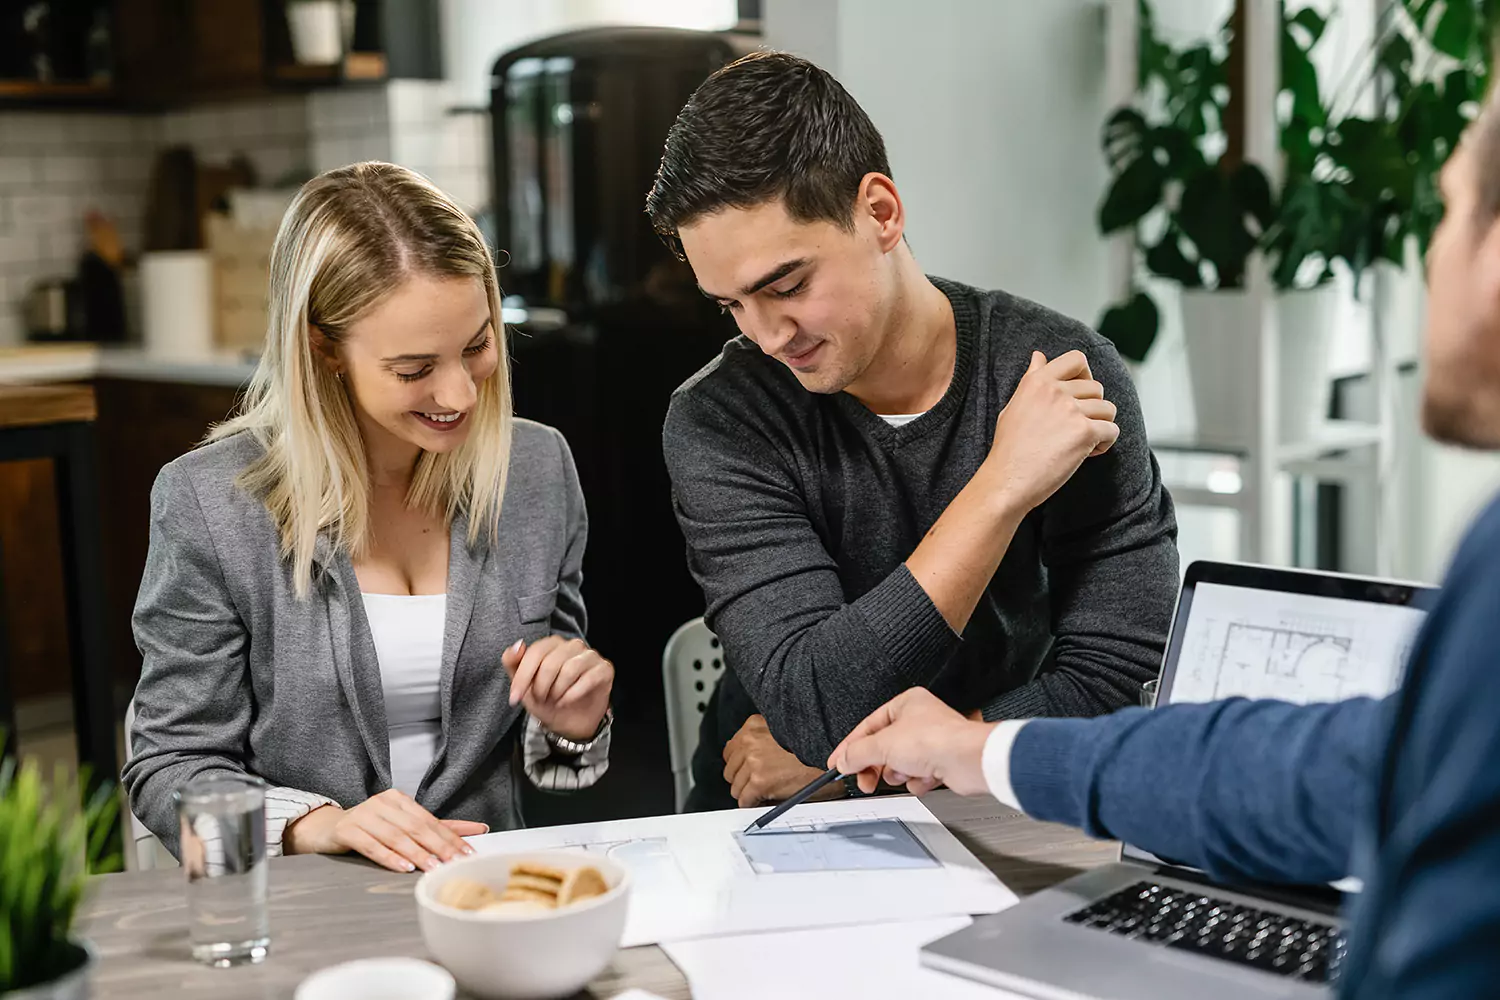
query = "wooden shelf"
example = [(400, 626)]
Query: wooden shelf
[(34, 93), (357, 67)]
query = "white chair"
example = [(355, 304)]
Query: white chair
[(150, 853), (690, 667)]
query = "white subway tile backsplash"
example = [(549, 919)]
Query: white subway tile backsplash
[(35, 213), (71, 171), (16, 170), (15, 249), (11, 332)]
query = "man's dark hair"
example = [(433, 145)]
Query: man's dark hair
[(764, 127)]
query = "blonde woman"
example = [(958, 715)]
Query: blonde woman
[(336, 599)]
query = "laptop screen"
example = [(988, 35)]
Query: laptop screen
[(1241, 642), (1291, 635)]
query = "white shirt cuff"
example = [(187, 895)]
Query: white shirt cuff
[(996, 761)]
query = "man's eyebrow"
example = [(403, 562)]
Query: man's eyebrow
[(769, 278)]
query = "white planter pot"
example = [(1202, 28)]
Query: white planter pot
[(317, 30), (1305, 324), (1219, 334)]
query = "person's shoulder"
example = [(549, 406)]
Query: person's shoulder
[(531, 439), (212, 470), (741, 382), (1478, 556), (1017, 326)]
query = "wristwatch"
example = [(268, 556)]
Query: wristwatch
[(574, 748)]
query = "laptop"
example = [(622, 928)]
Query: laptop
[(1145, 929)]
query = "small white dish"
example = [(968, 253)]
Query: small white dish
[(379, 979)]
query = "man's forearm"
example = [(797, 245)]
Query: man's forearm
[(961, 552), (1175, 782)]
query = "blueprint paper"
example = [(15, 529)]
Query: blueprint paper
[(825, 864)]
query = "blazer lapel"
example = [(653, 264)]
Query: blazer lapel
[(465, 569), (354, 657)]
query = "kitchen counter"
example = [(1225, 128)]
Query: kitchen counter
[(81, 362)]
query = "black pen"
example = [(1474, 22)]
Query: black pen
[(808, 791)]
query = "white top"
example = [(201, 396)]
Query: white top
[(900, 419), (997, 761), (408, 634)]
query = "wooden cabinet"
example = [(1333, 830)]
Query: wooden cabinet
[(141, 427), (173, 53)]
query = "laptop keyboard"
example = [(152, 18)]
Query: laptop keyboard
[(1180, 918)]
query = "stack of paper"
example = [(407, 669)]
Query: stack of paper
[(829, 864), (872, 962)]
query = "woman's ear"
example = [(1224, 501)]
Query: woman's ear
[(324, 349)]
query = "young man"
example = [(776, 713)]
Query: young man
[(1404, 793), (888, 480)]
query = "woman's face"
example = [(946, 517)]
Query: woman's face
[(413, 364)]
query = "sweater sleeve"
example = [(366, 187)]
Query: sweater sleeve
[(815, 664), (192, 706), (1241, 789), (1109, 543)]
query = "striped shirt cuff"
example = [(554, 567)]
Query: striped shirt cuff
[(210, 847), (554, 772), (284, 805)]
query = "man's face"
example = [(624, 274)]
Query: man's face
[(1461, 396), (809, 294)]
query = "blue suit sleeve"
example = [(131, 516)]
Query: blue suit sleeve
[(1241, 789)]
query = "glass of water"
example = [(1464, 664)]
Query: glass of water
[(223, 825), (1148, 693)]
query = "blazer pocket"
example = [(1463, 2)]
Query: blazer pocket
[(536, 607)]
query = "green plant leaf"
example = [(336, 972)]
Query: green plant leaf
[(1139, 178), (1132, 326), (1454, 34), (1312, 22), (1167, 260)]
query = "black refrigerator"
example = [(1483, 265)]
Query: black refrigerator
[(613, 324)]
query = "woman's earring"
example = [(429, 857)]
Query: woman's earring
[(339, 375)]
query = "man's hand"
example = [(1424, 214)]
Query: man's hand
[(760, 771), (1055, 420), (917, 741)]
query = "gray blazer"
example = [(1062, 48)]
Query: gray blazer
[(239, 675)]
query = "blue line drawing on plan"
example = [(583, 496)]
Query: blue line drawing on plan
[(866, 845)]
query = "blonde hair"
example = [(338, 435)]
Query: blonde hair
[(350, 237)]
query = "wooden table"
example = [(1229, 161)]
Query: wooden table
[(57, 422), (327, 910)]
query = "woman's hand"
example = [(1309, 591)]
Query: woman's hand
[(390, 829), (563, 684)]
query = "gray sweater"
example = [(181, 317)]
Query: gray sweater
[(799, 511)]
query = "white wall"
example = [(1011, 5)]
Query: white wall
[(991, 112)]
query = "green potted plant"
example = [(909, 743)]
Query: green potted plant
[(1199, 210), (48, 847), (1358, 189)]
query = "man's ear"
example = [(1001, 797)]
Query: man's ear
[(879, 201)]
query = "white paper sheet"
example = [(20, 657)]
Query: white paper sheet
[(872, 962), (693, 879)]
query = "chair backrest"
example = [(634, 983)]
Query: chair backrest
[(149, 852), (690, 667)]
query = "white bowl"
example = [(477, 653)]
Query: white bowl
[(378, 979), (524, 956)]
